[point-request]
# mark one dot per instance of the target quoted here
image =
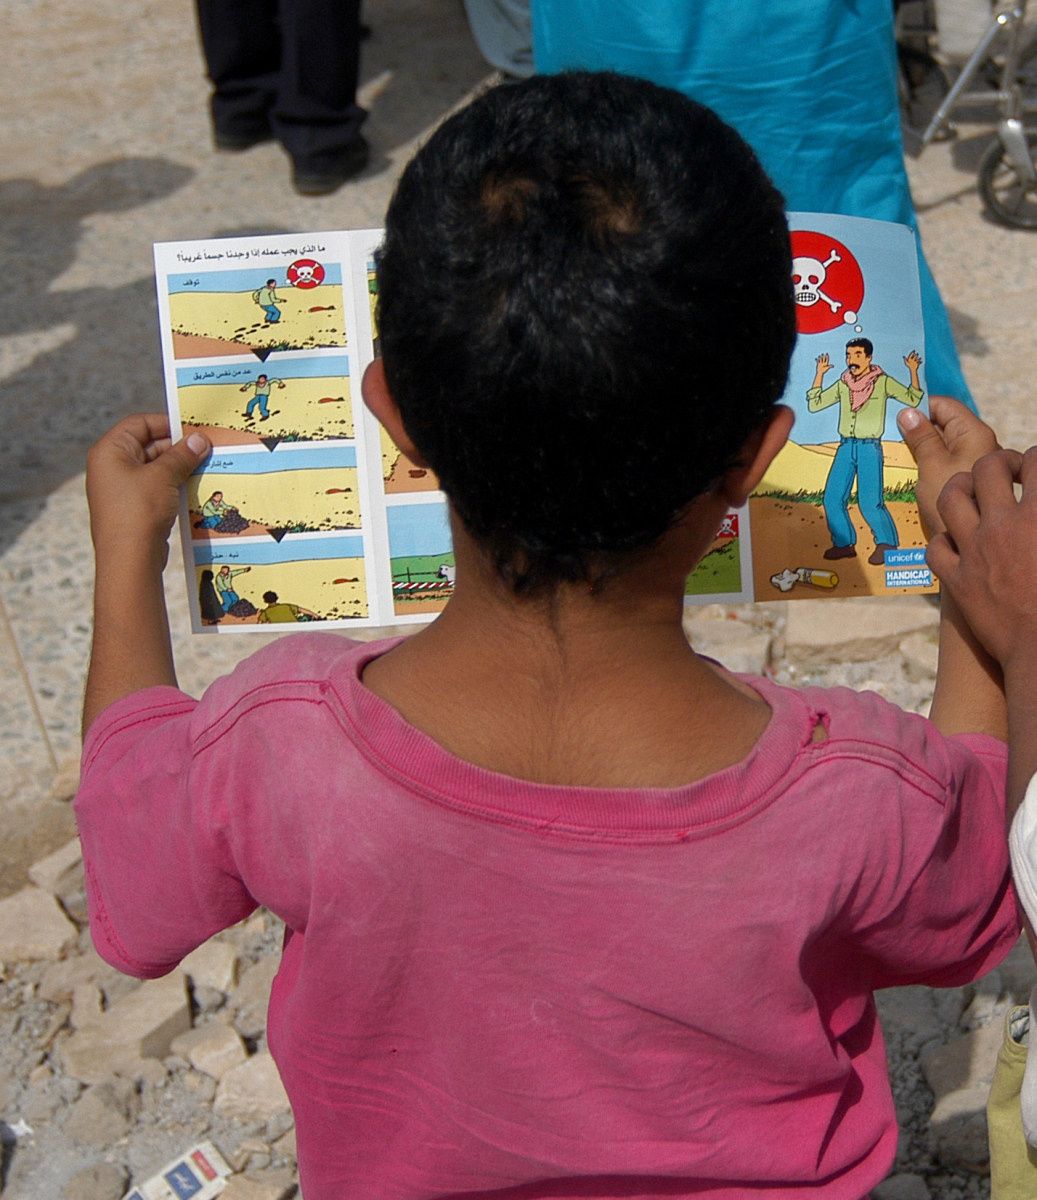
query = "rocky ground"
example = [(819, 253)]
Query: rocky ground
[(104, 1079)]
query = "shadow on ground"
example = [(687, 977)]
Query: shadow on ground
[(108, 365)]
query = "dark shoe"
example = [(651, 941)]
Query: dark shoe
[(328, 173), (840, 552), (878, 556), (236, 142)]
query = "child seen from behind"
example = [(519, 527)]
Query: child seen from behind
[(569, 910)]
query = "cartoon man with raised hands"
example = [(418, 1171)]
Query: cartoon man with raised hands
[(861, 393)]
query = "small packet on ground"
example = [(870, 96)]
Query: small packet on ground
[(198, 1174)]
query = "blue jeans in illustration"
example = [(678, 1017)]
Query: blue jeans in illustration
[(229, 599), (859, 458), (209, 522), (273, 313), (262, 400)]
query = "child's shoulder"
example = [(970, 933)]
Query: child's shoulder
[(864, 726), (297, 665)]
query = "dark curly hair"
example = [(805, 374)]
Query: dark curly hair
[(585, 309)]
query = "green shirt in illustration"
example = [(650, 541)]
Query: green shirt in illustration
[(869, 421), (214, 508), (263, 389), (266, 296), (224, 583), (279, 614)]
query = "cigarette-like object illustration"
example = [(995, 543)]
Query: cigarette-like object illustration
[(817, 577)]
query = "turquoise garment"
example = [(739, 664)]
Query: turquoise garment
[(810, 84)]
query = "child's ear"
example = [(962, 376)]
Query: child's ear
[(757, 455), (374, 387)]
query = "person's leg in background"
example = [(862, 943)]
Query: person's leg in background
[(241, 42), (288, 69), (316, 117), (503, 33)]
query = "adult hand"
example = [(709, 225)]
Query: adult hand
[(913, 360), (133, 476), (987, 556), (950, 440), (824, 363)]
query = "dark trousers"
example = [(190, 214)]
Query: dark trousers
[(285, 65)]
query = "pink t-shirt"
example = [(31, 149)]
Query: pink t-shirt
[(492, 986)]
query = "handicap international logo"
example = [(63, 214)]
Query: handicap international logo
[(907, 568)]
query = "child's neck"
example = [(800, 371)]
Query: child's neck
[(599, 691)]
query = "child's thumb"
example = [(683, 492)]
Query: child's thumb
[(181, 460), (922, 437)]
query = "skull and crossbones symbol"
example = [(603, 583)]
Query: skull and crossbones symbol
[(808, 277)]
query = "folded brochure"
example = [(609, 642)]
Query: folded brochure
[(306, 511)]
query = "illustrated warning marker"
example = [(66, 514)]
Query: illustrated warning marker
[(262, 352), (277, 534), (270, 443)]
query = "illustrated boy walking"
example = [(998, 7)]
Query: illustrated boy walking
[(260, 396), (268, 300), (861, 393)]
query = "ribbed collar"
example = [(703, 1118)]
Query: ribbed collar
[(410, 757)]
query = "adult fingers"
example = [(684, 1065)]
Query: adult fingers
[(962, 430), (993, 479), (1027, 474), (942, 556), (956, 505)]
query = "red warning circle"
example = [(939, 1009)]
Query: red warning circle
[(305, 273), (826, 281)]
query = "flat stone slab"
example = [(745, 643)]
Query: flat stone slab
[(252, 1092), (826, 631), (139, 1025), (33, 927)]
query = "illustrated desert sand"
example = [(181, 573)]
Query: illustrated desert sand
[(205, 324), (310, 410), (402, 475), (322, 498), (334, 588), (789, 532)]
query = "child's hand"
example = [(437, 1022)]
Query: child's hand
[(987, 558), (133, 474), (951, 440)]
